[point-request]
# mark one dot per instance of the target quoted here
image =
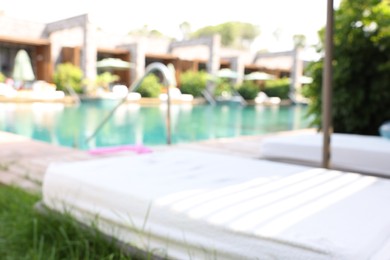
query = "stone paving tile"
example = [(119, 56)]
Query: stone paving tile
[(24, 161), (10, 178)]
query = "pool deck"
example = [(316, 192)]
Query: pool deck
[(23, 161)]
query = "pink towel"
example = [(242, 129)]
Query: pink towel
[(139, 149)]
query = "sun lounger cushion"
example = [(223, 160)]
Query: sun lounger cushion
[(188, 204), (359, 153)]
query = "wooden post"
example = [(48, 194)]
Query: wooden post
[(327, 128)]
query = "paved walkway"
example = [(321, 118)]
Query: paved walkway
[(23, 162)]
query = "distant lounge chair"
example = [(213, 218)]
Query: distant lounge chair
[(262, 98), (175, 94), (359, 153), (7, 90), (188, 204)]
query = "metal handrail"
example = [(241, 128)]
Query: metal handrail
[(73, 93), (168, 81)]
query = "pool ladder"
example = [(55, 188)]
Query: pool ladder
[(73, 94), (168, 81)]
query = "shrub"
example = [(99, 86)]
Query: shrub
[(2, 77), (67, 74), (150, 86), (192, 82), (248, 90), (223, 87), (105, 79), (277, 88)]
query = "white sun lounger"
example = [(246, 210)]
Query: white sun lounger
[(197, 205), (358, 153)]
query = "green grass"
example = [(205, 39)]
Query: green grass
[(27, 234)]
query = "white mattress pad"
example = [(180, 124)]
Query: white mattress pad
[(197, 205), (359, 153)]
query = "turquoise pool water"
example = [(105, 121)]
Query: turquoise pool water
[(134, 124)]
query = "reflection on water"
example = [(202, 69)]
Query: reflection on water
[(135, 124)]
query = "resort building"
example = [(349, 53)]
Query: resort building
[(79, 41)]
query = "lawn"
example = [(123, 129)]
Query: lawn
[(27, 234)]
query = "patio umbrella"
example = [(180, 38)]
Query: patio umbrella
[(22, 70), (227, 73), (257, 75), (114, 64)]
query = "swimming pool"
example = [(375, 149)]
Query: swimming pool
[(135, 124)]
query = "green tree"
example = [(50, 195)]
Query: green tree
[(361, 68), (185, 28), (233, 34), (299, 40), (145, 31)]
